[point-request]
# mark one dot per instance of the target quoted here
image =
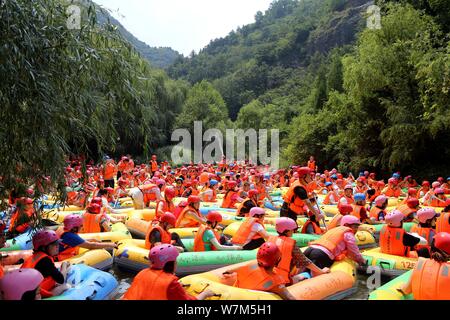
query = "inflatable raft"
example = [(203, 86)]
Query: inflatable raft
[(338, 284), (88, 284), (132, 256), (389, 290), (390, 265)]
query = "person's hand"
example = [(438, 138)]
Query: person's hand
[(208, 293), (115, 246), (326, 270)]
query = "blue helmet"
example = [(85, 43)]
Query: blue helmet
[(361, 174), (213, 182), (218, 173), (396, 175), (231, 173), (334, 176), (360, 197), (327, 184)]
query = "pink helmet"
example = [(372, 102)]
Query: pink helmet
[(157, 174), (44, 238), (256, 211), (349, 220), (439, 191), (394, 218), (170, 192), (380, 200), (296, 175), (15, 283), (435, 185), (162, 254), (286, 224), (73, 221), (160, 182), (426, 214), (349, 186), (393, 181)]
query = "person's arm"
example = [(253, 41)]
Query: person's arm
[(48, 269), (413, 239), (220, 247), (90, 245), (195, 217), (284, 294), (352, 249)]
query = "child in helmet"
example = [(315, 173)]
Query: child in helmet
[(378, 212), (158, 233), (70, 241), (21, 284), (45, 248), (359, 209), (251, 233), (430, 278), (426, 229), (159, 282), (261, 274), (208, 239)]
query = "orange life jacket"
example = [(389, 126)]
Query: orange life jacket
[(199, 244), (228, 202), (68, 251), (150, 284), (430, 280), (242, 206), (375, 212), (154, 165), (312, 165), (48, 283), (286, 245), (357, 211), (183, 222), (438, 203), (166, 236), (317, 229), (148, 192), (92, 222), (331, 239), (295, 203), (427, 233), (13, 226), (168, 206), (254, 277), (350, 200), (262, 193), (109, 171), (442, 224), (389, 192), (241, 235), (328, 196), (403, 208), (391, 241)]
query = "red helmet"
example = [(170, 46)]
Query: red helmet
[(425, 183), (441, 179), (170, 192), (380, 183), (268, 255), (44, 238), (412, 203), (193, 199), (122, 182), (442, 241), (214, 216), (252, 193), (169, 218), (345, 209), (96, 200), (232, 184), (393, 181), (303, 171), (94, 208), (412, 192), (110, 190)]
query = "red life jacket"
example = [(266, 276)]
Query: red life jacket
[(48, 284), (430, 280), (317, 229), (183, 222), (229, 200), (442, 223), (286, 246), (166, 236), (242, 234), (254, 277), (391, 241), (150, 284), (199, 244), (426, 233)]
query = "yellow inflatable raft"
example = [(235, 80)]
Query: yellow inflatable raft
[(390, 265), (336, 285)]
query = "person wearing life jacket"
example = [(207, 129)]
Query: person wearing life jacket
[(179, 188), (166, 204), (426, 229), (347, 198), (293, 262), (443, 221), (210, 193), (21, 284), (109, 171), (409, 209), (392, 190), (45, 248), (412, 193), (332, 196), (430, 195), (121, 190), (243, 192), (371, 180), (297, 199), (359, 210), (248, 203), (251, 233), (208, 239), (438, 199), (430, 279), (22, 216), (394, 240), (153, 165), (190, 217), (378, 212), (158, 233), (231, 196), (94, 220), (262, 274), (344, 210), (312, 225), (123, 166), (361, 186), (446, 186), (70, 241), (423, 190), (159, 281), (143, 194), (312, 164), (336, 244)]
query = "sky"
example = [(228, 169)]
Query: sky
[(183, 25)]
